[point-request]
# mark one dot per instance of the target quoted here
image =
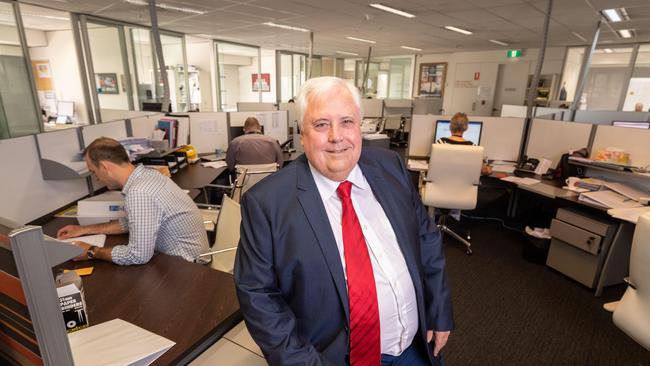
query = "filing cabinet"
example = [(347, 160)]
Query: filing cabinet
[(579, 245)]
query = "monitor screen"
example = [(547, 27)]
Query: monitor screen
[(236, 131), (629, 124), (65, 109), (472, 134)]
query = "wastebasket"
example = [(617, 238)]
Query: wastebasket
[(536, 245)]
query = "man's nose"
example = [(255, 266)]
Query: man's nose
[(334, 132)]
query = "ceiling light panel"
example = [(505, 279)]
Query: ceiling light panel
[(392, 10), (360, 40), (500, 43), (612, 15), (411, 48), (347, 53), (458, 30), (625, 33), (287, 27)]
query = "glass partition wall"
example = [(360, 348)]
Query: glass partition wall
[(239, 76), (19, 111)]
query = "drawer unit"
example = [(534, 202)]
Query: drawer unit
[(579, 245)]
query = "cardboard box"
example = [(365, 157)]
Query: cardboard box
[(71, 299)]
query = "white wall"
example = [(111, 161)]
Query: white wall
[(553, 60), (198, 55), (61, 54), (9, 35), (246, 93)]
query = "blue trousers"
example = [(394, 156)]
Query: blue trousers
[(410, 357)]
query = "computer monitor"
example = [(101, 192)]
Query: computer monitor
[(65, 109), (236, 131), (472, 134), (631, 124)]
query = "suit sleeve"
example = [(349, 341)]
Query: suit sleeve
[(436, 290), (269, 319)]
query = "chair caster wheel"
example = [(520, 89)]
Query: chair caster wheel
[(468, 252)]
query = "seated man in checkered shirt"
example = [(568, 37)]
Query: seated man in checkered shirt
[(160, 217)]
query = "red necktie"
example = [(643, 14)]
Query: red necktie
[(365, 341)]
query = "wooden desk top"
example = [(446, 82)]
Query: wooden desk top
[(196, 176), (188, 303)]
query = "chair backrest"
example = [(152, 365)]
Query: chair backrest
[(454, 174), (255, 173), (632, 315), (239, 184), (227, 230), (393, 122)]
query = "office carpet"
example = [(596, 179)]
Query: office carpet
[(512, 312)]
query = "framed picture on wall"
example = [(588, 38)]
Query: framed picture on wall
[(431, 81), (262, 83), (107, 83)]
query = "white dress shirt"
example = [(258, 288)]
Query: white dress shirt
[(398, 315)]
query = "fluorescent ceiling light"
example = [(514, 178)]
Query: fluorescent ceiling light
[(392, 10), (284, 26), (360, 40), (167, 7), (612, 15), (608, 50), (625, 33), (579, 36), (498, 42), (347, 53), (411, 48), (459, 30), (36, 15)]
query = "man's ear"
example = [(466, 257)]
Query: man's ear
[(106, 165)]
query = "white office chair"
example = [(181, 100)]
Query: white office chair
[(226, 236), (452, 182), (632, 314), (255, 173)]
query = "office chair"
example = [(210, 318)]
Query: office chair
[(632, 314), (226, 236), (255, 173), (235, 188), (452, 183)]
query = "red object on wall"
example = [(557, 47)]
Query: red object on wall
[(477, 75)]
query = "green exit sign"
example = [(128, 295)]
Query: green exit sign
[(514, 53)]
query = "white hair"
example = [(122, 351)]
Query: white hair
[(318, 86)]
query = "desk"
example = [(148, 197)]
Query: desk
[(188, 303), (196, 176)]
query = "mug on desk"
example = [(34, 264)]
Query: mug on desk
[(572, 181)]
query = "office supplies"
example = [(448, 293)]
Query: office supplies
[(214, 164), (86, 271), (608, 199), (625, 190), (100, 208), (117, 342), (472, 134), (69, 288), (97, 240), (628, 214)]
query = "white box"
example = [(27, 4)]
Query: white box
[(92, 220), (109, 204)]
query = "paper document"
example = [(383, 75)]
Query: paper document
[(214, 164), (503, 168), (517, 180), (608, 199), (116, 342), (629, 214), (96, 240), (625, 190)]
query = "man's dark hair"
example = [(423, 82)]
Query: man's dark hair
[(106, 149), (252, 124)]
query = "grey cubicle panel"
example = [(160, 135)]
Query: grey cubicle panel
[(115, 130), (606, 117), (59, 153), (421, 135), (427, 105), (144, 126), (508, 110), (550, 139), (292, 109), (632, 140), (275, 122), (255, 107), (372, 108), (208, 131), (501, 137)]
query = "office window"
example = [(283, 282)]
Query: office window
[(286, 76), (55, 66), (238, 71), (200, 73), (174, 56), (267, 68), (299, 72), (400, 78), (639, 89), (18, 113), (571, 72), (142, 58), (607, 78)]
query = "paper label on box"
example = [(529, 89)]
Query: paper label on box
[(72, 307)]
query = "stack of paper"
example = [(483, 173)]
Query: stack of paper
[(116, 342), (517, 180), (214, 164), (608, 199), (97, 240)]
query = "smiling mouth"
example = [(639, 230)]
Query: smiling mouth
[(338, 151)]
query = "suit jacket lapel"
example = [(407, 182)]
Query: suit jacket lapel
[(314, 210)]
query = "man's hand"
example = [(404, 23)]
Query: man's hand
[(83, 256), (70, 231), (440, 340)]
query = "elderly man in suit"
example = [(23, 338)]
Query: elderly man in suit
[(338, 262)]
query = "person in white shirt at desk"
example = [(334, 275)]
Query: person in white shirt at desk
[(457, 126), (160, 217)]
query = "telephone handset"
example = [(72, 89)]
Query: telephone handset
[(528, 164)]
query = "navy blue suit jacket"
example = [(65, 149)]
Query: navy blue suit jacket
[(288, 271)]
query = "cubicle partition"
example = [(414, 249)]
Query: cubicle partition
[(256, 107), (109, 115), (550, 139), (632, 140), (293, 110), (275, 123), (143, 126), (115, 130), (208, 131), (427, 105), (501, 137), (606, 117), (372, 108)]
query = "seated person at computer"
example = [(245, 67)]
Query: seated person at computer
[(457, 126), (253, 147), (160, 217)]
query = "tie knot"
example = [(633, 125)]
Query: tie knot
[(344, 189)]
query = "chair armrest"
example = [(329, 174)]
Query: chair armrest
[(629, 282), (208, 205), (218, 186)]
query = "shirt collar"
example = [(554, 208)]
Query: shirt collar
[(139, 169), (327, 187)]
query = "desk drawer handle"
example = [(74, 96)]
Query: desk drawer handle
[(591, 240)]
